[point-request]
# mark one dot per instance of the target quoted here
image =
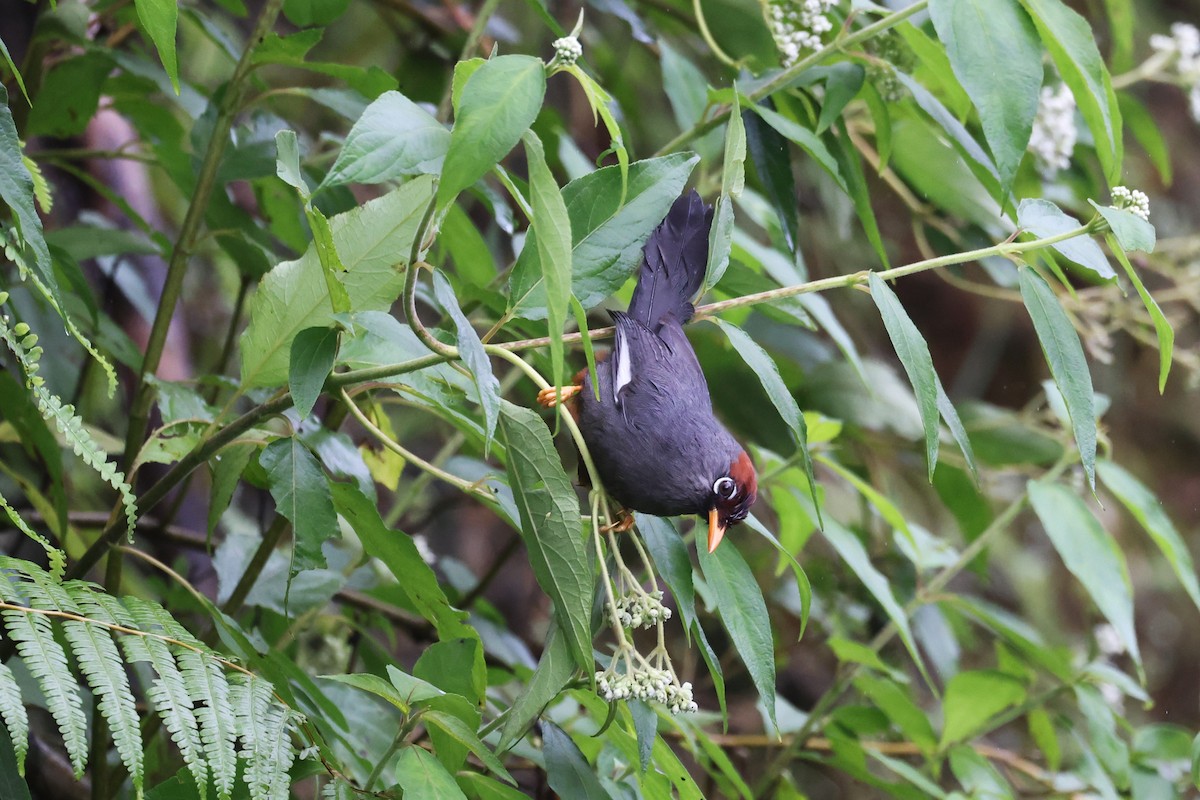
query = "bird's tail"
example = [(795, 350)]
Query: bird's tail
[(673, 263)]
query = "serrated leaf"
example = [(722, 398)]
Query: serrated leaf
[(470, 348), (549, 509), (301, 493), (499, 102), (1162, 326), (984, 39), (373, 242), (1072, 45), (159, 18), (567, 771), (606, 236), (1090, 554), (552, 227), (394, 137), (1148, 511), (781, 397), (1068, 366), (313, 353), (1042, 218), (740, 604)]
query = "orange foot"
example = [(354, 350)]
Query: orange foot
[(551, 397), (624, 522)]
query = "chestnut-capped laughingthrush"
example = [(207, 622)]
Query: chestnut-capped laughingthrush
[(652, 434)]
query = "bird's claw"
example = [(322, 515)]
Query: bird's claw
[(624, 522), (552, 396)]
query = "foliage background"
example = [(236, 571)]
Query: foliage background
[(96, 78)]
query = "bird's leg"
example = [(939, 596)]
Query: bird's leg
[(552, 396), (624, 522)]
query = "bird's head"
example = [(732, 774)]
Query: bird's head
[(733, 492)]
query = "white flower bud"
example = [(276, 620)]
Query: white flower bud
[(567, 50), (1134, 201)]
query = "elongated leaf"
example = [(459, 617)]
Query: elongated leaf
[(963, 140), (1042, 218), (567, 771), (1068, 367), (670, 556), (1148, 511), (312, 355), (850, 164), (474, 356), (1145, 130), (550, 526), (984, 39), (769, 154), (371, 241), (499, 101), (287, 161), (808, 141), (327, 254), (803, 586), (1162, 326), (301, 493), (973, 698), (420, 774), (772, 382), (893, 700), (458, 730), (16, 722), (16, 73), (743, 611), (589, 352), (606, 236), (1090, 554), (733, 180), (393, 137), (554, 671), (159, 18), (553, 227), (842, 84)]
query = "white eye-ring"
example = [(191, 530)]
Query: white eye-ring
[(724, 487)]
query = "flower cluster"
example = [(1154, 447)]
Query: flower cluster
[(1181, 50), (642, 610), (647, 683), (1132, 200), (797, 25), (567, 50), (1053, 138)]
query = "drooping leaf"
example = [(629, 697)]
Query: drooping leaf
[(803, 586), (842, 84), (474, 357), (567, 771), (312, 355), (458, 730), (983, 39), (769, 154), (1090, 554), (554, 671), (808, 141), (740, 604), (394, 137), (671, 559), (733, 180), (301, 493), (552, 225), (850, 164), (1068, 367), (549, 509), (499, 101), (1145, 130), (893, 700), (1042, 218), (1162, 326), (159, 18)]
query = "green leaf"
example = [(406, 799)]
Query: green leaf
[(674, 565), (1090, 554), (1042, 218), (600, 100), (549, 508), (977, 775), (458, 730), (69, 96), (803, 586), (1068, 367), (772, 382), (159, 18), (894, 701), (886, 508), (850, 163), (1148, 511), (1162, 326), (984, 39), (394, 137), (554, 671), (332, 267), (14, 745), (975, 697), (567, 771), (373, 242), (842, 84), (470, 348), (743, 611), (589, 352), (287, 161), (687, 92), (553, 240), (463, 71), (733, 181), (401, 699), (769, 154), (606, 236), (1041, 730), (1133, 232), (313, 352), (808, 141), (16, 73), (420, 774), (963, 141), (1145, 130), (309, 13), (301, 493), (499, 102), (1072, 46)]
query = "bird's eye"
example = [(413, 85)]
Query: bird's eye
[(724, 487)]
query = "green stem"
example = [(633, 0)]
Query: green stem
[(258, 561), (788, 75), (702, 23)]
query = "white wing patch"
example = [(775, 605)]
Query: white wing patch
[(624, 367)]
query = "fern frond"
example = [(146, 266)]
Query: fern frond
[(265, 730), (57, 558), (41, 187), (23, 345), (12, 709), (169, 692), (47, 662), (206, 681)]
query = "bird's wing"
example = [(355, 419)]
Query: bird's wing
[(636, 349), (654, 363)]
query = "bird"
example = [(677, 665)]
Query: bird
[(650, 429)]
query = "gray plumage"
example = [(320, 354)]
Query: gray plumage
[(656, 444)]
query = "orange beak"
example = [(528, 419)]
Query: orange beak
[(716, 531)]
